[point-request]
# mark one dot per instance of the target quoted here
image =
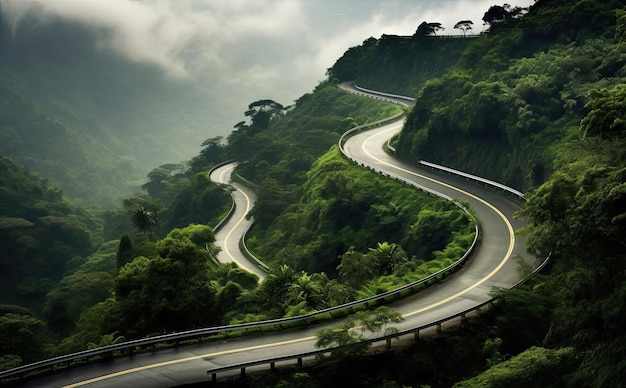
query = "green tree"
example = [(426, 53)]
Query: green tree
[(107, 340), (21, 334), (425, 29), (226, 297), (349, 337), (213, 152), (274, 289), (355, 268), (607, 113), (386, 258), (305, 288), (230, 272), (581, 209), (144, 219), (125, 253), (171, 291), (157, 182), (333, 293), (534, 367), (620, 30), (496, 14), (94, 322), (261, 112), (58, 318)]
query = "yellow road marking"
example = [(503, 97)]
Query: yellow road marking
[(495, 210), (415, 312), (192, 358), (231, 231)]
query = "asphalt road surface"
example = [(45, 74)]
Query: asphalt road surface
[(492, 265), (228, 237)]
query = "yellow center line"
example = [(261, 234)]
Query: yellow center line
[(181, 360), (431, 306), (504, 260), (232, 230)]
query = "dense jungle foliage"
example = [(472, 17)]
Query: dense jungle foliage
[(398, 64), (280, 144), (511, 107), (346, 209), (537, 103), (42, 235), (90, 122), (158, 247)]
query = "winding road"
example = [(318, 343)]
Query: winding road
[(493, 264), (229, 236)]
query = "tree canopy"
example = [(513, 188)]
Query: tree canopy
[(464, 26), (426, 28)]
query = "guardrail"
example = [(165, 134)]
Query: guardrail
[(415, 331), (250, 256), (242, 244), (139, 345), (405, 100), (388, 97), (475, 178), (374, 124)]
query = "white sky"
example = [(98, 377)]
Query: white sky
[(239, 51)]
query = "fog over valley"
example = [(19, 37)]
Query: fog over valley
[(193, 66), (245, 49)]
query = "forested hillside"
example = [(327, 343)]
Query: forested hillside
[(398, 64), (41, 234), (346, 210), (90, 121), (511, 108), (107, 291), (537, 103)]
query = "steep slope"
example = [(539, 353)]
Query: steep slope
[(41, 234), (398, 64), (512, 106)]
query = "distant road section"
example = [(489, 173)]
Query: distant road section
[(231, 233)]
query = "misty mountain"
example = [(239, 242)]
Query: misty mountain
[(90, 121)]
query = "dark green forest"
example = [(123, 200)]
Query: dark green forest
[(97, 292), (538, 103), (398, 64)]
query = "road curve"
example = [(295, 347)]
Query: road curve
[(228, 237), (491, 265)]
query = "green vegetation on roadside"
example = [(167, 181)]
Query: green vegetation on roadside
[(158, 247), (346, 209), (537, 103)]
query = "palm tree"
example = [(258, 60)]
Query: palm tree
[(354, 269), (107, 340), (387, 257), (306, 289), (144, 219), (274, 288)]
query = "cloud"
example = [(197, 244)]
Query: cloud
[(237, 51), (177, 36)]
